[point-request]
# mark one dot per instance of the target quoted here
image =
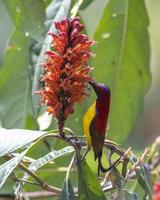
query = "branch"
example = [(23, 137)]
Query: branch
[(39, 194), (43, 184), (21, 180)]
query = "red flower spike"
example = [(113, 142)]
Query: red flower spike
[(66, 71)]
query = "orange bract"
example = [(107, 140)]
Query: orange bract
[(66, 71)]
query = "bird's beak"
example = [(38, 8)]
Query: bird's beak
[(94, 85)]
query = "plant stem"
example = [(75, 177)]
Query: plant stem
[(44, 185), (21, 180), (39, 194)]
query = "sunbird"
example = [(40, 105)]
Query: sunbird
[(95, 122)]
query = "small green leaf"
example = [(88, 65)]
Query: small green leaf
[(61, 12), (7, 168), (85, 4), (13, 139), (88, 185), (122, 62), (67, 190), (28, 16)]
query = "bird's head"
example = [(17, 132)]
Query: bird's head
[(100, 89)]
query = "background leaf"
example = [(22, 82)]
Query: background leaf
[(28, 16), (16, 138), (13, 82), (122, 62)]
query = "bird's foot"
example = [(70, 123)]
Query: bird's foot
[(84, 156)]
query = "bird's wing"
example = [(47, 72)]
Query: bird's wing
[(87, 119)]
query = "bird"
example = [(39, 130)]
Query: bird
[(95, 122)]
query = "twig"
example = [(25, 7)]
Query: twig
[(107, 188), (138, 163), (123, 158), (113, 147), (44, 185), (39, 194), (21, 180)]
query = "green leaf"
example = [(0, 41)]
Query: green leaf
[(28, 16), (67, 190), (122, 62), (61, 9), (85, 4), (7, 168), (14, 139), (142, 177), (37, 164), (13, 82), (88, 185)]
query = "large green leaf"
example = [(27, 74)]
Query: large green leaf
[(122, 61), (7, 168), (14, 139), (60, 9), (13, 82), (28, 16), (88, 185)]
